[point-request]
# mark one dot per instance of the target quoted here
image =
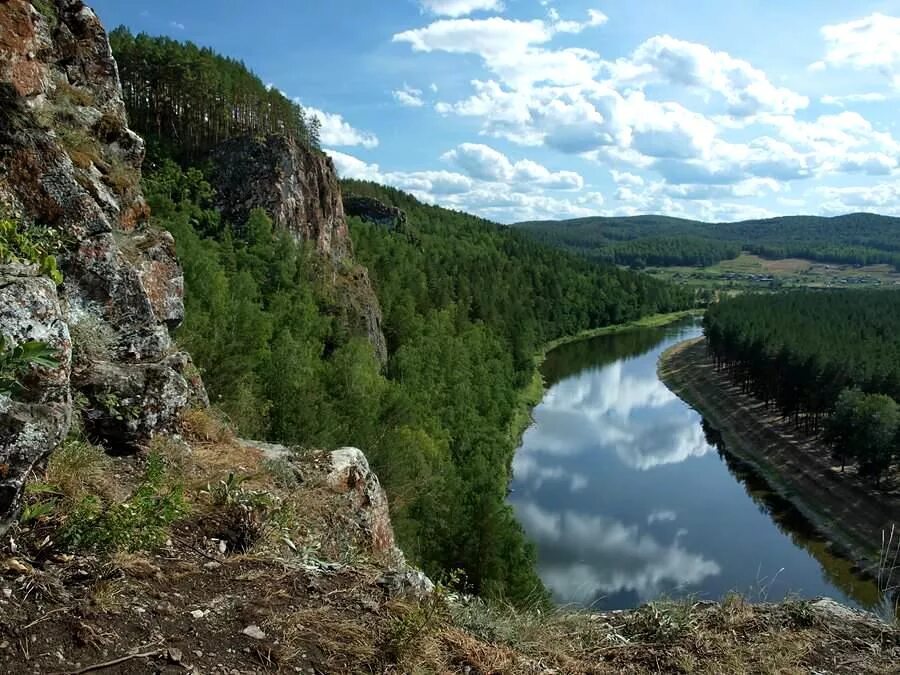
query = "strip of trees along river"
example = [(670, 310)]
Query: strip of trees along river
[(829, 361)]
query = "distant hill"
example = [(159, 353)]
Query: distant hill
[(856, 238)]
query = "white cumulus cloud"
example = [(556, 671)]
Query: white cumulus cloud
[(457, 8), (337, 131)]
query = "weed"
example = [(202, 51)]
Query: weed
[(47, 9), (109, 127), (244, 517), (31, 244), (122, 178), (16, 361), (83, 149), (70, 95), (206, 425), (663, 622), (141, 523)]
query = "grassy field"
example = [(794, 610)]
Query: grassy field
[(751, 271)]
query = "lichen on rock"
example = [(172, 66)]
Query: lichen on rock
[(69, 161)]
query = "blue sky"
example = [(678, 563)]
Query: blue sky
[(523, 109)]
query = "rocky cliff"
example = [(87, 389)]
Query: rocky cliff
[(298, 187), (70, 174)]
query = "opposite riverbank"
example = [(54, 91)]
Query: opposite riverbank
[(533, 392), (845, 508)]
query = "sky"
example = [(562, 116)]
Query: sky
[(550, 109)]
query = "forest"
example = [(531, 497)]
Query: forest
[(639, 241), (466, 304), (829, 361), (184, 99)]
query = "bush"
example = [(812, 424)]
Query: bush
[(79, 499), (138, 524), (30, 244), (92, 340), (17, 360)]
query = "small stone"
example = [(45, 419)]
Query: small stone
[(198, 613), (198, 653), (254, 631), (223, 547), (7, 593)]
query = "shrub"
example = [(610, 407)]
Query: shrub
[(79, 501), (137, 524), (244, 517), (30, 244), (17, 360)]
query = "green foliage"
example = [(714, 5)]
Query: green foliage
[(187, 99), (857, 238), (829, 358), (30, 244), (17, 360), (466, 304), (865, 428), (139, 523), (242, 516), (48, 10)]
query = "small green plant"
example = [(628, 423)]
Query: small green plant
[(138, 524), (17, 360), (92, 340), (244, 516), (30, 244), (48, 10)]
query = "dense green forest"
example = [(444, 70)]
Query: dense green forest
[(829, 361), (188, 99), (466, 304), (859, 239)]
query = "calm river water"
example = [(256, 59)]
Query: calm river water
[(624, 491)]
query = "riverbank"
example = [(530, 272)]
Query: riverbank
[(533, 392), (844, 507)]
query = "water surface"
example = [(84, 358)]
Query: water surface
[(630, 496)]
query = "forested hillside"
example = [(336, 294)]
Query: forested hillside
[(859, 238), (829, 361), (188, 99), (466, 304)]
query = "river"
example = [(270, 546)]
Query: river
[(629, 496)]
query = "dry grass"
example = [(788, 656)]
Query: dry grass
[(78, 468), (205, 425)]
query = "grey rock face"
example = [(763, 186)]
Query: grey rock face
[(36, 422), (68, 161), (374, 211), (350, 474), (296, 186), (299, 189)]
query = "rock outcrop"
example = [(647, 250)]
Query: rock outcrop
[(69, 165), (299, 189), (296, 186), (374, 211)]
